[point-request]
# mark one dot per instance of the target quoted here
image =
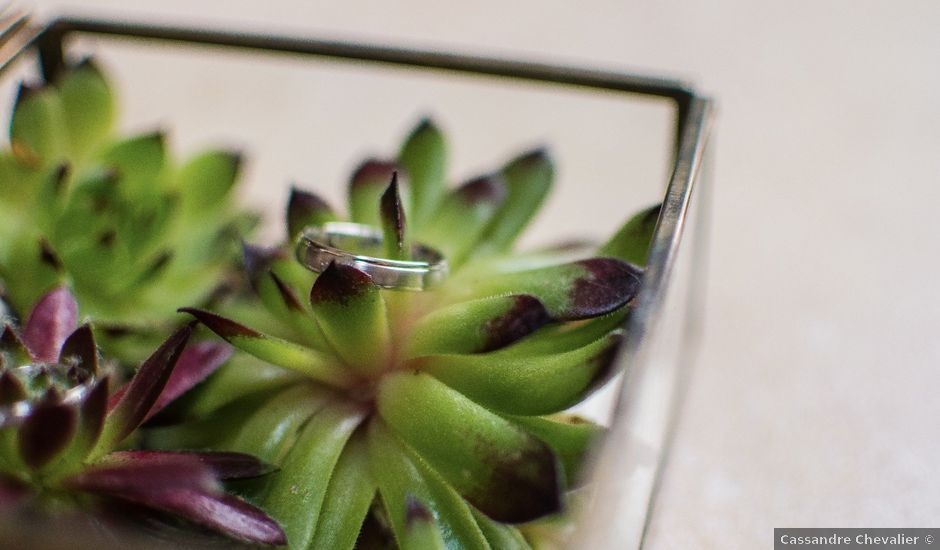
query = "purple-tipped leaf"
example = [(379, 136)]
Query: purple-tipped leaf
[(50, 323), (130, 409), (367, 184), (352, 313), (46, 432), (572, 291), (273, 350), (118, 475), (477, 326), (11, 389), (80, 351), (392, 212), (194, 365), (305, 208), (223, 465), (502, 470)]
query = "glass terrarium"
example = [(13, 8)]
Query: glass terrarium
[(261, 92)]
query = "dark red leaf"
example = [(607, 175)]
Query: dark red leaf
[(120, 474), (195, 364), (224, 465), (305, 208), (11, 389), (50, 323), (131, 408), (45, 432), (79, 349), (12, 492)]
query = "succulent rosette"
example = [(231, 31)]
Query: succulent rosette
[(62, 435), (132, 232), (424, 419)]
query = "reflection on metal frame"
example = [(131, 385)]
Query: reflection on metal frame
[(619, 509)]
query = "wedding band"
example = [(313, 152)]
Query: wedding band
[(331, 242)]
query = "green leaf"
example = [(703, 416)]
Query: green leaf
[(88, 108), (577, 290), (632, 241), (499, 535), (503, 471), (280, 352), (271, 431), (242, 375), (424, 158), (569, 436), (528, 180), (367, 184), (477, 326), (297, 492), (37, 128), (305, 208), (421, 530), (399, 477), (205, 181), (140, 163), (348, 498), (458, 224), (514, 383), (351, 312)]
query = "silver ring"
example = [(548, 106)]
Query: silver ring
[(323, 244)]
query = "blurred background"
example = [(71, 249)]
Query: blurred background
[(813, 398)]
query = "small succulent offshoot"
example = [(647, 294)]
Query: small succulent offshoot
[(61, 432), (422, 419), (132, 232)]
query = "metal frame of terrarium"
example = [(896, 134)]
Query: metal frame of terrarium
[(663, 327)]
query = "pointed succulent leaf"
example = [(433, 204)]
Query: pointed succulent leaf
[(272, 429), (11, 389), (139, 162), (366, 186), (507, 382), (632, 241), (11, 343), (280, 299), (392, 213), (120, 474), (424, 158), (274, 350), (348, 498), (570, 437), (222, 465), (221, 512), (130, 409), (80, 351), (305, 208), (578, 290), (528, 180), (46, 432), (195, 363), (421, 530), (50, 323), (399, 477), (295, 496), (204, 181), (477, 326), (88, 107), (457, 225), (504, 472), (351, 312), (562, 338), (91, 415), (36, 129)]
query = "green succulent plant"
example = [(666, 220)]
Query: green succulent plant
[(422, 419), (129, 230), (62, 435)]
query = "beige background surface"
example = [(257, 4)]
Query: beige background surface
[(814, 400)]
